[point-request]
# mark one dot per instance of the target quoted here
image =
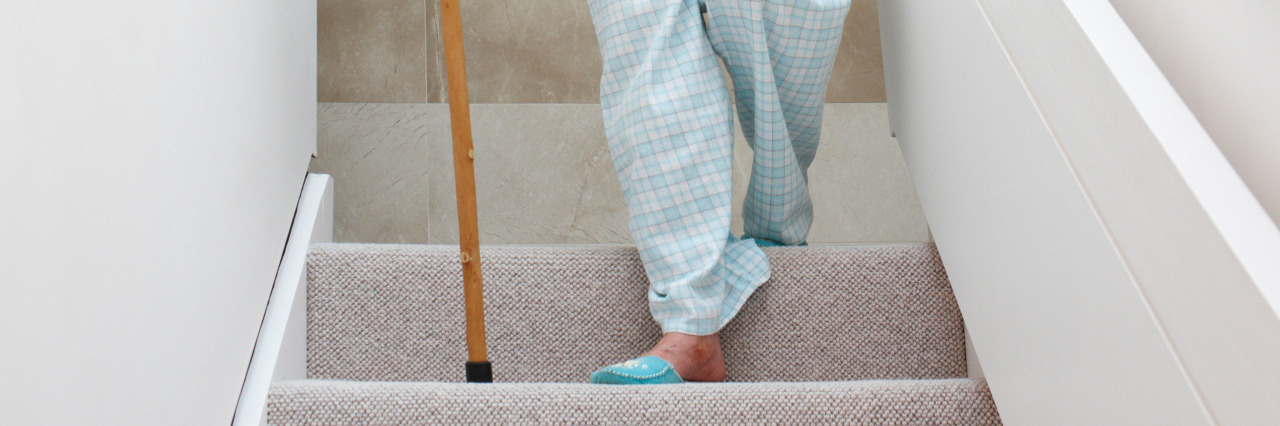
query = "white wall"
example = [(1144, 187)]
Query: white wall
[(1111, 265), (151, 154), (1223, 58)]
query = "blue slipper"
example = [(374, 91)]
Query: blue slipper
[(648, 370)]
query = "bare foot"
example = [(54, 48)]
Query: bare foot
[(695, 358)]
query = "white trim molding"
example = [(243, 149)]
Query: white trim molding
[(281, 350)]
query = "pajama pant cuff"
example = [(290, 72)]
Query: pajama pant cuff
[(743, 270)]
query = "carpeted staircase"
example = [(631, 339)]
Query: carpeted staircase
[(866, 334)]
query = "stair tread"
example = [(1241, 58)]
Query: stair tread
[(555, 313), (939, 401)]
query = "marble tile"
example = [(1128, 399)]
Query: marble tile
[(543, 176), (858, 73), (859, 182), (372, 51), (378, 157), (521, 51)]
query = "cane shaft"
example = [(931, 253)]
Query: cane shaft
[(464, 175)]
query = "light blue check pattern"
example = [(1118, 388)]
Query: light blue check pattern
[(669, 123)]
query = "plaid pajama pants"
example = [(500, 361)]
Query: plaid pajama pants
[(669, 123)]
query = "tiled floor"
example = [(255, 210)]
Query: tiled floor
[(517, 51), (543, 170), (544, 175)]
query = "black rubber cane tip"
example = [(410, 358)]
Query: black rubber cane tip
[(479, 372)]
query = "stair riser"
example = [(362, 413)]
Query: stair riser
[(922, 402)]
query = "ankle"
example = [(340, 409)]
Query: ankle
[(695, 358), (694, 348)]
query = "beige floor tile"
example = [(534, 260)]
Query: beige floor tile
[(521, 51), (378, 157), (543, 176), (859, 182), (858, 74), (372, 51)]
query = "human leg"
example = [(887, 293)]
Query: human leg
[(779, 54), (668, 120)]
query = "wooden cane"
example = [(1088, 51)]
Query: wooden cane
[(478, 368)]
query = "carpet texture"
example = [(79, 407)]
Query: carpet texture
[(905, 402), (556, 313)]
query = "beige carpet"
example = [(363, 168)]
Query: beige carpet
[(852, 312), (814, 345), (905, 402)]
